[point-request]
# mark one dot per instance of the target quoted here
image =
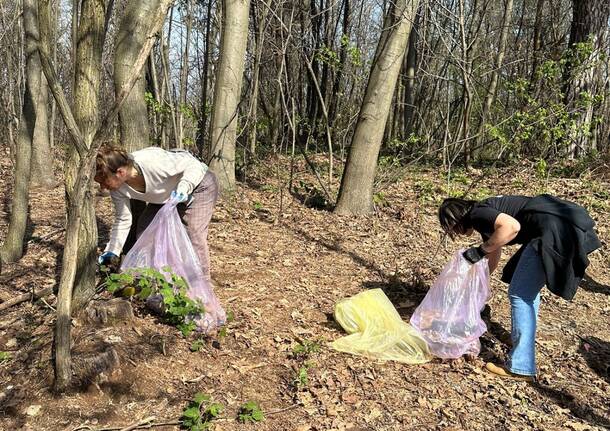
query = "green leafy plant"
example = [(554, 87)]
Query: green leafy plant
[(5, 357), (144, 282), (197, 345), (250, 412), (257, 205), (306, 348), (200, 412), (301, 379), (541, 168)]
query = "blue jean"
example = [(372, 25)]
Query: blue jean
[(524, 294)]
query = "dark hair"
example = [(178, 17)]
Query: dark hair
[(109, 159), (452, 215)]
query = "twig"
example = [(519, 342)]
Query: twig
[(47, 236), (25, 297), (48, 305), (146, 423)]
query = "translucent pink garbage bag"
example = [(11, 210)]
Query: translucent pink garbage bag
[(449, 317), (165, 243)]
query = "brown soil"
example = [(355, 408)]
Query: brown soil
[(280, 267)]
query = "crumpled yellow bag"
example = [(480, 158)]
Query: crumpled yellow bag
[(377, 331)]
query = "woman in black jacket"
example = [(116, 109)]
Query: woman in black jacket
[(556, 237)]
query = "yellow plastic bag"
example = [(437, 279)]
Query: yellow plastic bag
[(377, 331)]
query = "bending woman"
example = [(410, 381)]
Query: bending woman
[(153, 175), (556, 237)]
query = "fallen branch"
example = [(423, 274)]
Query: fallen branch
[(146, 423), (25, 297)]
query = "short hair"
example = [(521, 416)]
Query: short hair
[(109, 159), (452, 215)]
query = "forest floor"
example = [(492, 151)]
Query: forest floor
[(280, 265)]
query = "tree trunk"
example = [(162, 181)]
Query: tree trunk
[(409, 99), (259, 37), (12, 249), (133, 117), (86, 146), (493, 82), (41, 168), (589, 22), (356, 193), (41, 165), (203, 117), (227, 91), (90, 37)]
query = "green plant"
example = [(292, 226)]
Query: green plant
[(250, 412), (541, 168), (200, 412), (257, 205), (380, 200), (5, 357), (197, 345), (302, 376), (179, 308), (306, 348)]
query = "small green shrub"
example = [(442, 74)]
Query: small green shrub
[(250, 412), (200, 412)]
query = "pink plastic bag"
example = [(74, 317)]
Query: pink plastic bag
[(449, 317), (165, 243)]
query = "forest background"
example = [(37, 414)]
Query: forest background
[(332, 105)]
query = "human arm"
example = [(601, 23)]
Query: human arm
[(121, 224), (506, 228), (192, 171), (494, 259)]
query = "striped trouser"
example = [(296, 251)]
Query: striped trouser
[(196, 218)]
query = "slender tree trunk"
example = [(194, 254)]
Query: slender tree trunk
[(537, 43), (133, 118), (227, 91), (259, 37), (410, 65), (87, 147), (153, 87), (184, 72), (12, 248), (203, 117), (589, 23), (167, 86), (88, 74), (466, 71), (493, 82), (356, 193)]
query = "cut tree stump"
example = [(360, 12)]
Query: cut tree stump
[(92, 368), (108, 313)]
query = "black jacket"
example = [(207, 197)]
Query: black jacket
[(562, 234)]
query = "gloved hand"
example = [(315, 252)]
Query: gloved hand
[(107, 258), (474, 254), (180, 194)]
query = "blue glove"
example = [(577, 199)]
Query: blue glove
[(107, 258), (179, 196)]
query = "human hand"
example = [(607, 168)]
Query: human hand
[(107, 258), (474, 254), (180, 194)]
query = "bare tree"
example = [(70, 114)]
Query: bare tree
[(12, 248), (227, 91), (86, 146), (589, 24), (356, 193), (133, 117)]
